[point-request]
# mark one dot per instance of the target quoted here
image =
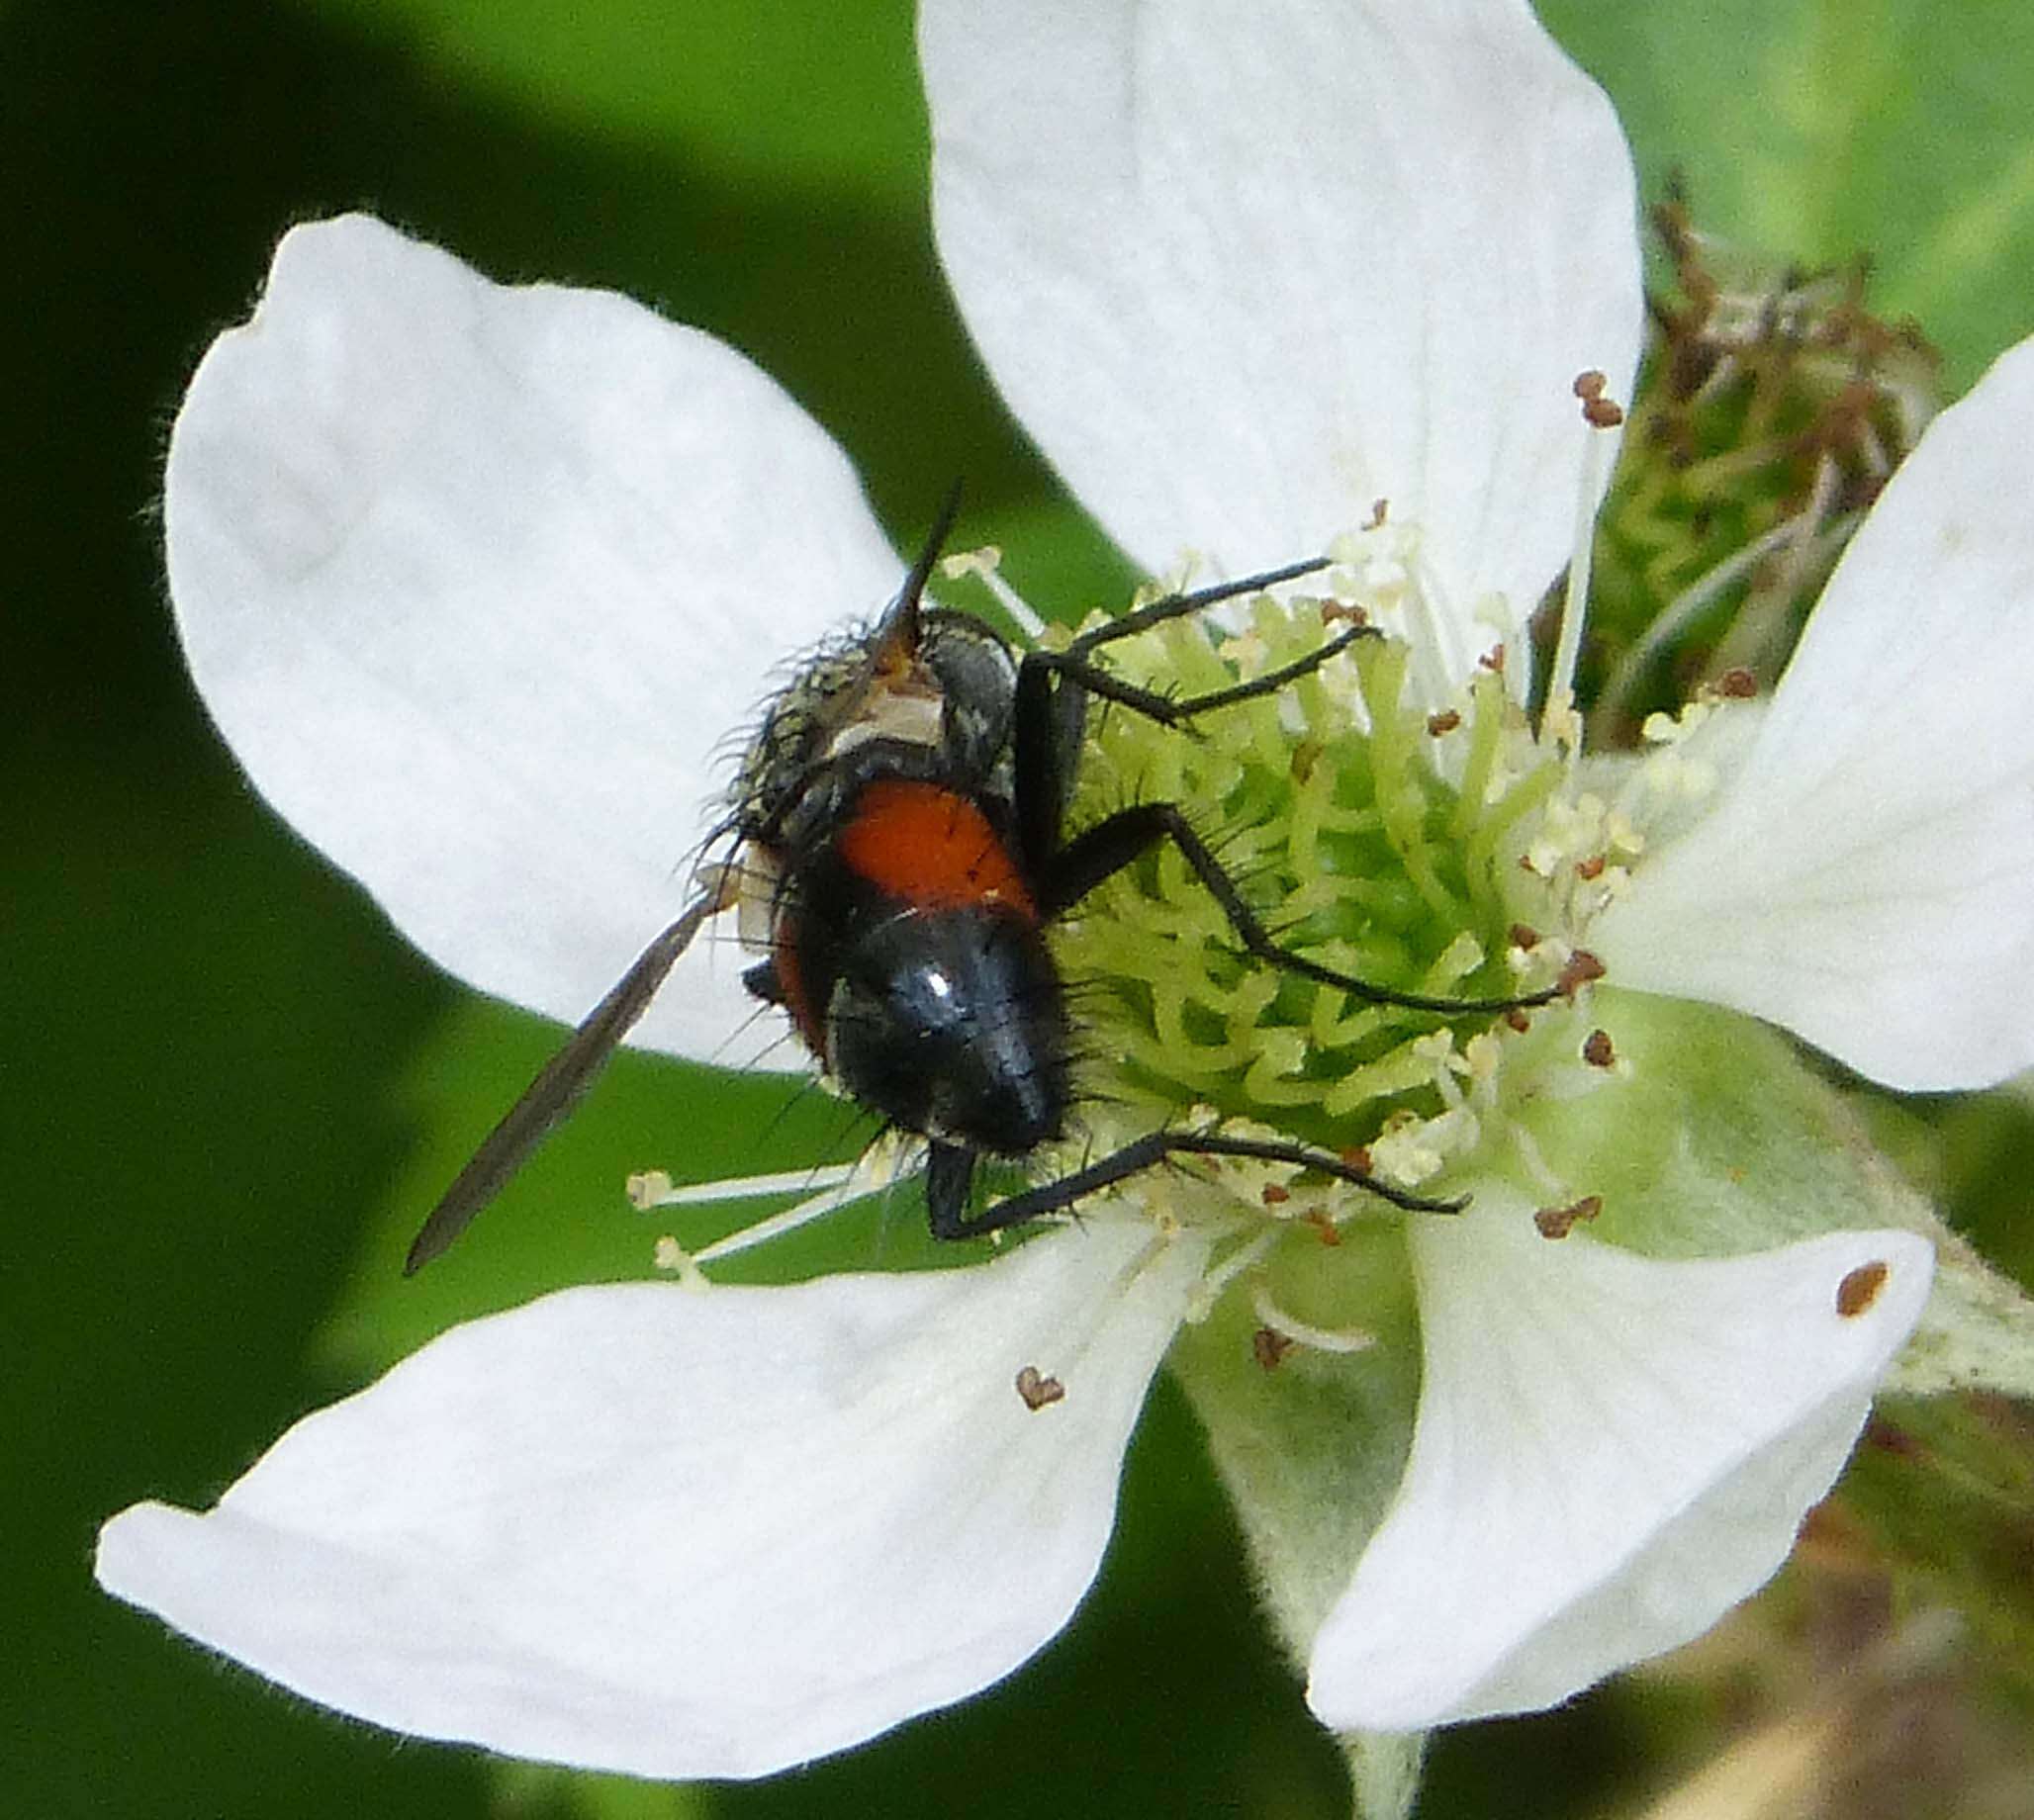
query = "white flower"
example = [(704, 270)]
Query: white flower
[(474, 579)]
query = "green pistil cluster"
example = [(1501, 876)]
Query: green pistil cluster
[(1371, 836), (1771, 411)]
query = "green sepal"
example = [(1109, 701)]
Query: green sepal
[(1312, 1448), (1384, 1772), (1978, 1333), (1711, 1134)]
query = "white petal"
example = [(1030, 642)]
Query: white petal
[(1243, 270), (687, 1534), (1867, 876), (1610, 1452), (474, 579)]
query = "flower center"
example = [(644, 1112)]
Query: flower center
[(1455, 851), (1431, 851)]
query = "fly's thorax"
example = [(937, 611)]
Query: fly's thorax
[(947, 689), (977, 674)]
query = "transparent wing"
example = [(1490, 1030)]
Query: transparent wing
[(562, 1083)]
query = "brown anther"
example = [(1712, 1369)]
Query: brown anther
[(1493, 660), (1038, 1390), (1582, 968), (1526, 865), (1591, 868), (1597, 1049), (1603, 413), (1357, 1156), (1446, 721), (1859, 1289), (1331, 1233), (1342, 612), (1518, 1020), (1590, 385), (1737, 684), (1380, 509), (1559, 1221), (1269, 1348), (1275, 1193), (1522, 934)]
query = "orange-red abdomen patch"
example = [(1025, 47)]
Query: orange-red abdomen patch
[(931, 848), (791, 986)]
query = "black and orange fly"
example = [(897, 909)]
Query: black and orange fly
[(902, 850)]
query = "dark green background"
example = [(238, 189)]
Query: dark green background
[(229, 1087)]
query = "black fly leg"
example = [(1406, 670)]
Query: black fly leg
[(948, 1176), (950, 1171), (1109, 845), (1049, 729), (1178, 606), (1075, 670), (1050, 718)]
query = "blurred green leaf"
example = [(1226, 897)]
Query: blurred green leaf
[(798, 93), (1944, 1487), (527, 1791), (1819, 131)]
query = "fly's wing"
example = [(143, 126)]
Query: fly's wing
[(549, 1100)]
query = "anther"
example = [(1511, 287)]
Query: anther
[(1036, 1388), (1559, 1221), (1582, 968), (1600, 412), (1859, 1289), (1268, 1347)]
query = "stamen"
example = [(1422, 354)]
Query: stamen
[(1558, 719), (654, 1188), (886, 1162), (1225, 1273), (1529, 1152), (984, 565), (673, 1259), (1305, 1333)]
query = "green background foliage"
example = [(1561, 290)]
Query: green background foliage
[(230, 1089)]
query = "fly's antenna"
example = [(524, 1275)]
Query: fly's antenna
[(897, 638)]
